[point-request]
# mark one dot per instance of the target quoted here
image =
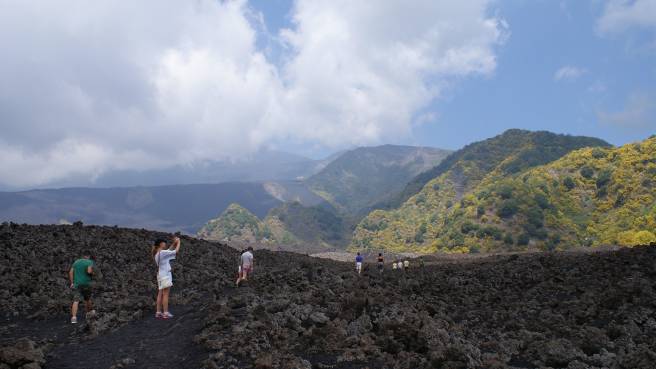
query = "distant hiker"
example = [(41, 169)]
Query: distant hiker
[(406, 264), (358, 263), (80, 275), (246, 265), (394, 265), (422, 264), (163, 256), (239, 262), (381, 263), (400, 265)]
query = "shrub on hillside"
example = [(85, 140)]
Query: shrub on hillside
[(569, 183), (603, 178), (508, 208), (542, 201), (508, 239), (587, 172), (598, 153), (523, 239)]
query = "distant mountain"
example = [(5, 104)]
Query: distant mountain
[(349, 184), (364, 176), (170, 208), (424, 221), (265, 165)]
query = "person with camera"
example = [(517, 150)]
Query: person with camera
[(163, 256)]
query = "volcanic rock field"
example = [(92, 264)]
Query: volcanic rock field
[(560, 310)]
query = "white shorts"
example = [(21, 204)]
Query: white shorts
[(358, 266), (164, 281)]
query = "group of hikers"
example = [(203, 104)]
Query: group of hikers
[(380, 261), (83, 271)]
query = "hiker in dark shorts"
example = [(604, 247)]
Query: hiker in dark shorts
[(80, 275), (381, 263)]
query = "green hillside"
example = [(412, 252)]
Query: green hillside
[(362, 177), (235, 224), (313, 225), (434, 218), (514, 150), (290, 226)]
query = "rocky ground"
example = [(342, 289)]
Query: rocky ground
[(561, 310)]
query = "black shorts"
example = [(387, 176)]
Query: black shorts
[(82, 293)]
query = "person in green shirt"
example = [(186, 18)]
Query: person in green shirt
[(80, 276)]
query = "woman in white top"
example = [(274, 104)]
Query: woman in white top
[(163, 257)]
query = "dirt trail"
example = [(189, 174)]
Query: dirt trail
[(145, 343)]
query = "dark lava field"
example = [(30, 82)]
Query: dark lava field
[(560, 310)]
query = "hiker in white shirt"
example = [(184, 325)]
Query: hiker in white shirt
[(163, 256), (247, 265)]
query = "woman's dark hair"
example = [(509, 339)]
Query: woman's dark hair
[(153, 250)]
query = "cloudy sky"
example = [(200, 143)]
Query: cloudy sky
[(93, 86)]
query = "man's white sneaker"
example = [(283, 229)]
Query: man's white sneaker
[(74, 320)]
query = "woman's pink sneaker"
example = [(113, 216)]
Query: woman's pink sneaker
[(167, 315), (159, 315)]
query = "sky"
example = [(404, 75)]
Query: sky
[(90, 87)]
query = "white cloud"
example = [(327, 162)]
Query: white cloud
[(569, 72), (87, 87), (620, 15), (639, 111)]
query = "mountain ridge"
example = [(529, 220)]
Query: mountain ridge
[(363, 176), (425, 213)]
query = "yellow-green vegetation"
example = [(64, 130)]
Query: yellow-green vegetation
[(290, 225), (494, 197), (237, 224)]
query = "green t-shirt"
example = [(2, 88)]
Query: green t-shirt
[(80, 275)]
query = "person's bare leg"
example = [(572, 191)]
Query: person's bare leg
[(165, 299), (74, 308), (158, 306)]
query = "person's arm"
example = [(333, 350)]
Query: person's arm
[(90, 269), (70, 276), (177, 244)]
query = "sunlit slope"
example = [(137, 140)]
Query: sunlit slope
[(474, 202)]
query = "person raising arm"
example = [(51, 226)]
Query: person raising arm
[(163, 257)]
